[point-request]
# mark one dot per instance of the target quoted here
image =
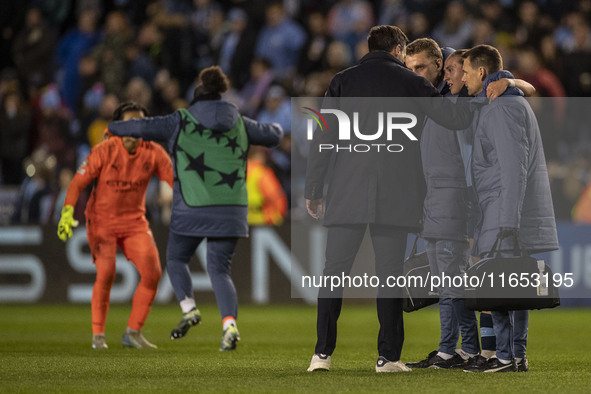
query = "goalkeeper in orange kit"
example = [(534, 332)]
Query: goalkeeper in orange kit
[(115, 215)]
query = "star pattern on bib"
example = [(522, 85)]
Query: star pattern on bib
[(244, 155), (232, 143), (216, 135), (184, 123), (197, 164), (229, 179)]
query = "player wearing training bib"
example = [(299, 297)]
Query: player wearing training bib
[(209, 144)]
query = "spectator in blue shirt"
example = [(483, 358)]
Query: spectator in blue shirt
[(71, 48), (277, 108), (280, 41)]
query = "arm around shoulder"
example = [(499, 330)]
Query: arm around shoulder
[(527, 88)]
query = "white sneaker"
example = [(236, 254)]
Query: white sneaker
[(134, 338), (320, 362), (384, 365), (98, 341)]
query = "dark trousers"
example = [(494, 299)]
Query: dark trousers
[(343, 242), (219, 267)]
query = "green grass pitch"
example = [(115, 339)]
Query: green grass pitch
[(46, 348)]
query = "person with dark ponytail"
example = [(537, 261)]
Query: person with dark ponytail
[(209, 144)]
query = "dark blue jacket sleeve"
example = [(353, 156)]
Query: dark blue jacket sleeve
[(266, 134), (157, 128)]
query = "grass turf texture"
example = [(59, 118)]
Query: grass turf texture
[(46, 348)]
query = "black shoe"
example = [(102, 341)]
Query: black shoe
[(190, 319), (523, 365), (431, 359), (477, 362), (456, 362), (494, 365)]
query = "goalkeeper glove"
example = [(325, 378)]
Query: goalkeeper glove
[(64, 227)]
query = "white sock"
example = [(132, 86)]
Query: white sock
[(444, 356), (228, 321), (465, 355), (518, 359), (504, 361), (187, 304), (488, 353)]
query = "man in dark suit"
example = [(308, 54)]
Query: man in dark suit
[(383, 190)]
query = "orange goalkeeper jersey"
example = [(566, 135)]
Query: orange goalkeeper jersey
[(118, 200)]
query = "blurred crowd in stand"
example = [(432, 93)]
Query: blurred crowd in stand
[(66, 65)]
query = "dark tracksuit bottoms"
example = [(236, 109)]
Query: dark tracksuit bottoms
[(219, 267)]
